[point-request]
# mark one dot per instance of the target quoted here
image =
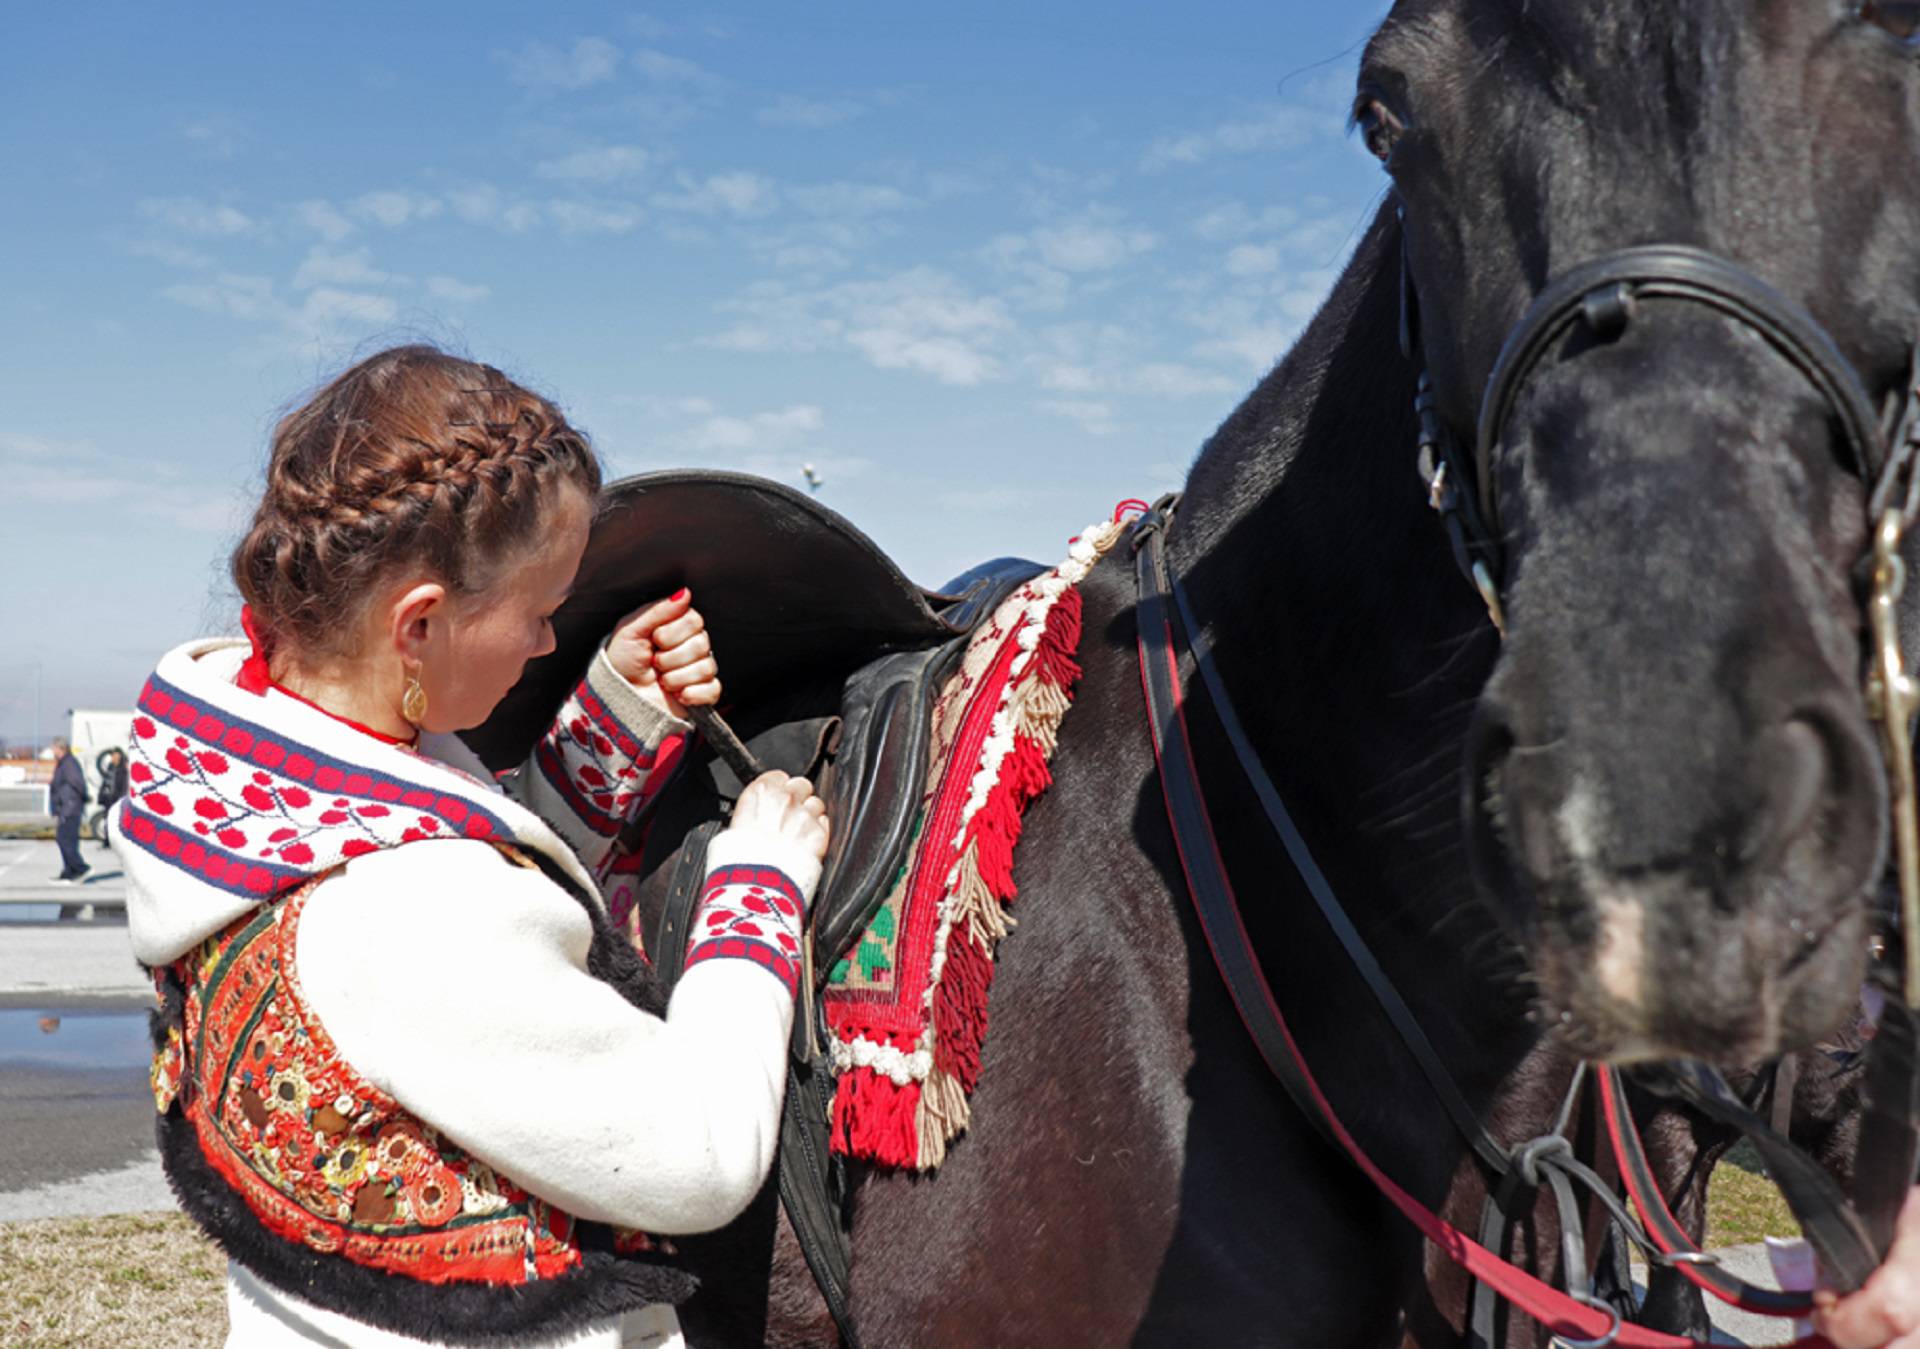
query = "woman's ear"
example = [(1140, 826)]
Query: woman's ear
[(416, 620)]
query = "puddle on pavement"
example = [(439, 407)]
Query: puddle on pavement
[(29, 913), (73, 1040)]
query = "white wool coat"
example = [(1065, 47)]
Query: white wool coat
[(457, 983)]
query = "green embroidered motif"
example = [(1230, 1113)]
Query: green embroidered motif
[(871, 963)]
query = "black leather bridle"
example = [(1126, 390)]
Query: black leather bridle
[(1601, 299)]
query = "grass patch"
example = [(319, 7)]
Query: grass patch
[(1743, 1205), (76, 1283)]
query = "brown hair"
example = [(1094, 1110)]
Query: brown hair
[(411, 457)]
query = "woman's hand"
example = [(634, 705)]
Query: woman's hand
[(777, 804), (663, 650), (1886, 1312)]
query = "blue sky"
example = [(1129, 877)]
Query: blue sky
[(990, 268)]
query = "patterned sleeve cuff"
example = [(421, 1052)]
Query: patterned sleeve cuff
[(754, 903), (649, 723), (607, 749)]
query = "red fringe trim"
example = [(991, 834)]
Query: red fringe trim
[(873, 1118), (960, 1002)]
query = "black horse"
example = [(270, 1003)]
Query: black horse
[(1672, 795)]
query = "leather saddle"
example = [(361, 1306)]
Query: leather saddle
[(831, 659)]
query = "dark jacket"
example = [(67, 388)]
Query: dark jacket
[(68, 796), (113, 782)]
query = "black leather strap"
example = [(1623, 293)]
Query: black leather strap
[(1847, 1252), (1668, 1233), (1603, 295), (1193, 833), (1155, 585), (811, 1184), (1883, 1169)]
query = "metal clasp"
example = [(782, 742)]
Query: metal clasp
[(1891, 700), (1612, 1332)]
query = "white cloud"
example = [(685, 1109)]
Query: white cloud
[(760, 431), (1233, 220), (602, 164), (218, 136), (665, 69), (395, 208), (321, 218), (456, 291), (323, 312), (1071, 379), (1281, 128), (921, 320), (190, 215), (1094, 418), (1168, 380), (947, 359), (328, 308), (1253, 259), (850, 199), (173, 255), (484, 204), (737, 194), (588, 62), (323, 267), (586, 217), (241, 297), (810, 114), (76, 475), (1086, 247)]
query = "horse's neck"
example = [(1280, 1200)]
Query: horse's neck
[(1353, 650)]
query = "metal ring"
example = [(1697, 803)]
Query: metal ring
[(1606, 1340)]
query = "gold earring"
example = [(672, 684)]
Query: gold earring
[(413, 703)]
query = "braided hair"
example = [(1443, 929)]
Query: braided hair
[(412, 458)]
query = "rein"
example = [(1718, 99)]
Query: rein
[(1577, 1317)]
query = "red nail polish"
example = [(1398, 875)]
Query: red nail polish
[(677, 595)]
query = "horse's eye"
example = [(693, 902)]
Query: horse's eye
[(1378, 127), (1899, 17)]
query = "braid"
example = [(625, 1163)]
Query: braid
[(411, 458)]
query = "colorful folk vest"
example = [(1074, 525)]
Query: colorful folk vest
[(346, 1182)]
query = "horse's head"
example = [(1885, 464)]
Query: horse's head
[(1676, 788)]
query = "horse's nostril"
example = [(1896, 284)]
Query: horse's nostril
[(1792, 764)]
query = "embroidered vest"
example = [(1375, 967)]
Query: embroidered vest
[(342, 1173)]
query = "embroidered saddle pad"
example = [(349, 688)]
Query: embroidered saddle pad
[(907, 1006)]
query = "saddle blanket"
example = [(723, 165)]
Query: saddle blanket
[(907, 1008)]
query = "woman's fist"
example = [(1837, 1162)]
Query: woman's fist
[(777, 804), (663, 650)]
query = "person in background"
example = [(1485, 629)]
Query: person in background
[(113, 786), (67, 801)]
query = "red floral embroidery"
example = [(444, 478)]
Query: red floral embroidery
[(321, 1156), (751, 913)]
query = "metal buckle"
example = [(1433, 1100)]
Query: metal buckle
[(1606, 1340), (1892, 700)]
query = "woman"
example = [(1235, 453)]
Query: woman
[(113, 786), (408, 1074)]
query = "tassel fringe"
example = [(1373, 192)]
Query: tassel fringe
[(911, 1126)]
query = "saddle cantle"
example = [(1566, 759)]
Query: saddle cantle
[(831, 659)]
